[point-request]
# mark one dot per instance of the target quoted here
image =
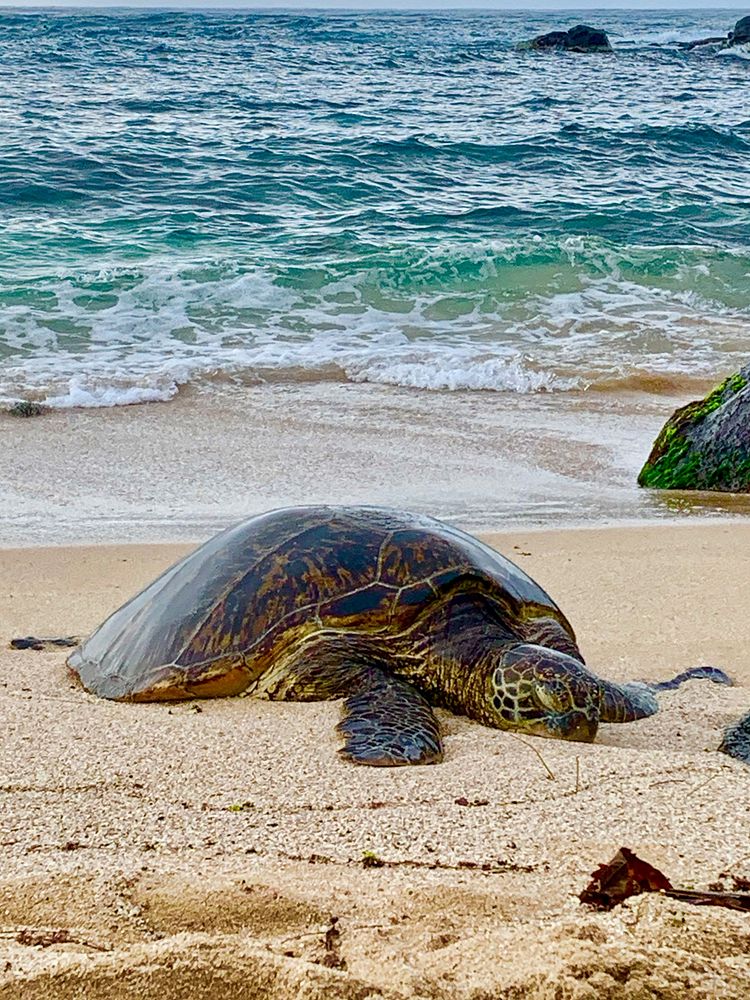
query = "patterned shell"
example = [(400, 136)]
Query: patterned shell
[(211, 623)]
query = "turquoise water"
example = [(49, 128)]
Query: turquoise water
[(400, 198)]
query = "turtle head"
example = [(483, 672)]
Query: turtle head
[(543, 692)]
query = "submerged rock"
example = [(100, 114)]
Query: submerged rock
[(705, 445), (582, 38), (722, 39)]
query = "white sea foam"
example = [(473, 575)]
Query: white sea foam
[(80, 395), (736, 52), (453, 373), (671, 36), (575, 320)]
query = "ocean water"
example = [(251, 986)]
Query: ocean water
[(396, 198)]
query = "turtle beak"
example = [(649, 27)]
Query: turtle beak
[(566, 704), (583, 729), (574, 726)]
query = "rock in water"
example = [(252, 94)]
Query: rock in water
[(705, 445), (741, 33), (552, 40), (715, 40), (582, 38), (739, 36), (27, 408)]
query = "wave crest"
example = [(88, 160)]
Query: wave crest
[(517, 316)]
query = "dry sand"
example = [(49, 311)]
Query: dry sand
[(203, 851)]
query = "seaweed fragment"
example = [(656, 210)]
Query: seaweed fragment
[(628, 875), (624, 876)]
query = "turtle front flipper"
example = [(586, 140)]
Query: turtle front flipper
[(388, 723), (694, 674), (626, 702), (736, 739), (637, 699)]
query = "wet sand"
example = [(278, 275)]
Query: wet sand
[(183, 469), (204, 850)]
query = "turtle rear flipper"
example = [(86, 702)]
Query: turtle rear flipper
[(388, 723), (736, 739)]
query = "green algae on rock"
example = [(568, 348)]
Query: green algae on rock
[(27, 408), (706, 444)]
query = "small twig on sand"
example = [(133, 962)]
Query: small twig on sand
[(550, 773), (330, 937), (701, 784)]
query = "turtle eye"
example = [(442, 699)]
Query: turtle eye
[(553, 697)]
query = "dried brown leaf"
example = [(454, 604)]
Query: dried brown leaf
[(624, 876)]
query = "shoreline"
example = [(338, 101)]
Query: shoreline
[(187, 847), (152, 473)]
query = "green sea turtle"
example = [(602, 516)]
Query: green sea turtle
[(394, 612)]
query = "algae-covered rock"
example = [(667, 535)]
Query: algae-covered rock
[(27, 408), (705, 445)]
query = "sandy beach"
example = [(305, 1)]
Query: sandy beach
[(218, 849)]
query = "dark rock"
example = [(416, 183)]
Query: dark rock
[(552, 40), (739, 36), (741, 33), (705, 445), (582, 38)]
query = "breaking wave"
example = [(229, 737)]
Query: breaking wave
[(395, 198)]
